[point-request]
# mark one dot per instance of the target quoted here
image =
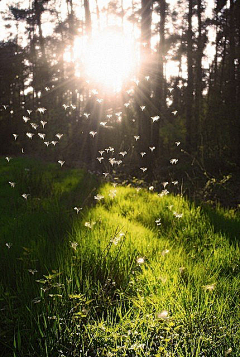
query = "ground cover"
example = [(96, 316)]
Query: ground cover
[(93, 269)]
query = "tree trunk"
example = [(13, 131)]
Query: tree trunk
[(199, 56), (189, 90), (88, 18)]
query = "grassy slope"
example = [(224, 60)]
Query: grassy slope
[(90, 296)]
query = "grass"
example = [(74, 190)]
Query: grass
[(110, 280)]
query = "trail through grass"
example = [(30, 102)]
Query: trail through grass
[(133, 273)]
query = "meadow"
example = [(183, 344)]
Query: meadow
[(90, 268)]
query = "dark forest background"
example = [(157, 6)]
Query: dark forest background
[(199, 124)]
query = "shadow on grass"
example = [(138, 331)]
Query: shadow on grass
[(34, 231), (224, 222)]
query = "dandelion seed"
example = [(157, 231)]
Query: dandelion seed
[(8, 245), (151, 188), (228, 351), (210, 287), (26, 119), (170, 90), (109, 116), (25, 195), (34, 126), (100, 159), (99, 101), (12, 184), (98, 197), (156, 118), (59, 136), (43, 123), (112, 160), (165, 184), (164, 252), (30, 135), (47, 89), (174, 112), (142, 107), (86, 115), (103, 123), (65, 106), (158, 222), (41, 110), (136, 81), (41, 135), (74, 245), (47, 143), (143, 169), (123, 153), (126, 105), (22, 150), (142, 153), (93, 133), (61, 162), (173, 161), (177, 143), (94, 91), (147, 78), (73, 106), (163, 315), (77, 209), (152, 148), (5, 106), (181, 270), (136, 137), (174, 183), (138, 189), (54, 142), (112, 193), (105, 174), (89, 224), (29, 112), (15, 136), (8, 158), (118, 114), (140, 260), (163, 193), (178, 215), (32, 271)]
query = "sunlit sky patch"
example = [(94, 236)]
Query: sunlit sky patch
[(94, 54)]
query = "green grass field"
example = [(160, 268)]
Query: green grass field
[(133, 273)]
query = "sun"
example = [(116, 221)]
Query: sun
[(108, 59)]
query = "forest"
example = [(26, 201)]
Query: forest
[(119, 184), (182, 87)]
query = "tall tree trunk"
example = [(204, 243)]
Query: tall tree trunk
[(232, 81), (38, 12), (88, 18), (98, 14), (160, 90), (189, 90), (199, 56), (143, 93)]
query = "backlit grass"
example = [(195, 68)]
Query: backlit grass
[(132, 274)]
